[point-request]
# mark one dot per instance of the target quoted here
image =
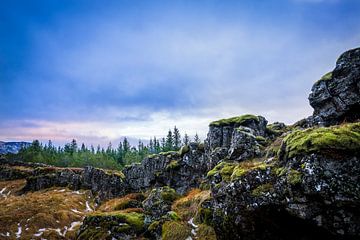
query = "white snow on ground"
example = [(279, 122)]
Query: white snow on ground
[(2, 190), (88, 208), (40, 232), (18, 233), (75, 210), (5, 235), (74, 224), (191, 222)]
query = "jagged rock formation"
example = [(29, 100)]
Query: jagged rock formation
[(336, 96), (104, 184), (234, 138), (180, 170)]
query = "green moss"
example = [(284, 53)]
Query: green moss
[(134, 219), (126, 203), (235, 120), (225, 169), (280, 171), (262, 189), (169, 153), (168, 194), (173, 165), (336, 140), (205, 232), (184, 149), (122, 228), (92, 233), (294, 177), (327, 76), (153, 226), (246, 167), (204, 215), (175, 230), (173, 216), (114, 172)]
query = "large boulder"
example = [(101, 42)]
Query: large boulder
[(336, 96), (234, 138), (312, 192), (181, 170)]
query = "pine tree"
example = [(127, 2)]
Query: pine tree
[(197, 139), (83, 148), (126, 145), (177, 139), (163, 145), (169, 143), (186, 139)]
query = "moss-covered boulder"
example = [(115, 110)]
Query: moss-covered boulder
[(336, 141), (112, 225)]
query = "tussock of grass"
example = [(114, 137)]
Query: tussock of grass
[(175, 230), (132, 200), (187, 207)]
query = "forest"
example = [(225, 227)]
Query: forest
[(74, 155)]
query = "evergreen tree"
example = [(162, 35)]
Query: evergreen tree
[(83, 148), (163, 145), (197, 139), (169, 143), (177, 139), (186, 139)]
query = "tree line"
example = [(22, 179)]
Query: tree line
[(73, 155)]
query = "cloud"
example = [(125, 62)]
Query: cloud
[(97, 77)]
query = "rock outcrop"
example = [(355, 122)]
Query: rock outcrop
[(336, 96), (180, 170), (105, 184), (234, 138)]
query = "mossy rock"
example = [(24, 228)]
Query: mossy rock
[(247, 166), (205, 232), (116, 218), (127, 203), (173, 165), (235, 120), (262, 189), (335, 141), (168, 194), (175, 230), (225, 169), (183, 150)]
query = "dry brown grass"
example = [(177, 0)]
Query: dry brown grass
[(50, 209), (121, 203), (187, 207)]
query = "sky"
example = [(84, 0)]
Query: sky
[(98, 70)]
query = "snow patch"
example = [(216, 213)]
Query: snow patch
[(18, 233), (88, 208), (76, 211)]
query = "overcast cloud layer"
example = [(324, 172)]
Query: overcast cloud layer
[(99, 71)]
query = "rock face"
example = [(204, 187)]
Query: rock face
[(234, 138), (311, 192), (180, 170), (336, 97), (104, 184)]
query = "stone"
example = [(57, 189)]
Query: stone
[(336, 97)]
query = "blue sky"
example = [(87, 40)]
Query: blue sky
[(99, 70)]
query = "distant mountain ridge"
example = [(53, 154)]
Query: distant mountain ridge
[(12, 147)]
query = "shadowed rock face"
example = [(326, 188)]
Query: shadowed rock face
[(180, 171), (102, 183), (336, 97)]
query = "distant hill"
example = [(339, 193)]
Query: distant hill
[(12, 147)]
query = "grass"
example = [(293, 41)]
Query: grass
[(335, 141), (235, 120), (188, 206), (50, 209), (175, 230), (132, 200)]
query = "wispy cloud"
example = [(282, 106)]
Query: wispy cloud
[(103, 76)]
